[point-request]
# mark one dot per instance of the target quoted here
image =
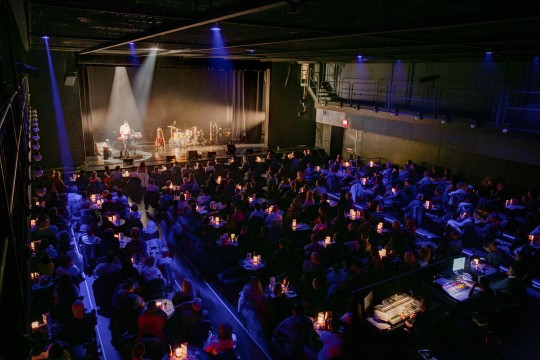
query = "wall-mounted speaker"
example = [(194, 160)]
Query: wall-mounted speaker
[(192, 155), (231, 149), (70, 79)]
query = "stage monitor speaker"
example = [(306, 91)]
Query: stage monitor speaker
[(231, 149), (249, 151), (212, 154), (192, 155), (170, 158), (107, 153), (128, 161)]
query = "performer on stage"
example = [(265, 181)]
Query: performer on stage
[(125, 132), (160, 139)]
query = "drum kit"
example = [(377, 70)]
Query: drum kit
[(193, 136)]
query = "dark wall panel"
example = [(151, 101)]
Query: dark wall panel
[(42, 100), (286, 128)]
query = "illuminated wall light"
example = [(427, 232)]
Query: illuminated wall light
[(45, 37), (215, 27), (345, 123), (36, 156), (37, 171)]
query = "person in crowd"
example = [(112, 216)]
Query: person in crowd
[(152, 322), (78, 330), (222, 342), (293, 333), (150, 271), (187, 293), (110, 266)]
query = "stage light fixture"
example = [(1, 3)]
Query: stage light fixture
[(215, 27), (37, 171), (505, 130), (41, 190), (45, 37), (473, 125), (36, 156)]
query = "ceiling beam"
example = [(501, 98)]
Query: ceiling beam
[(201, 22), (285, 40)]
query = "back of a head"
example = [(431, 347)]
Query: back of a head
[(225, 331)]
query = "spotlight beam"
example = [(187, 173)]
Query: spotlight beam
[(63, 139), (248, 11)]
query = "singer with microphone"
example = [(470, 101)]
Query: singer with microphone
[(125, 132)]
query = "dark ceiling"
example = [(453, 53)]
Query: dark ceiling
[(294, 30)]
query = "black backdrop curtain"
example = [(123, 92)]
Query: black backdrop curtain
[(187, 98)]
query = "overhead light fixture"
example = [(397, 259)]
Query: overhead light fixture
[(154, 48), (41, 190), (215, 27), (505, 130), (251, 51), (36, 156), (473, 124), (45, 37), (489, 52), (37, 171)]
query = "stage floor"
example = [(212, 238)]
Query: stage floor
[(151, 156)]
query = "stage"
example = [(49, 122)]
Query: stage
[(148, 153)]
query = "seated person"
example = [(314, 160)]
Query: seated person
[(512, 288), (222, 342), (482, 302), (152, 322), (150, 270), (494, 256), (293, 333), (186, 294), (110, 265), (79, 329)]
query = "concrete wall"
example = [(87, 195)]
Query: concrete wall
[(474, 153)]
